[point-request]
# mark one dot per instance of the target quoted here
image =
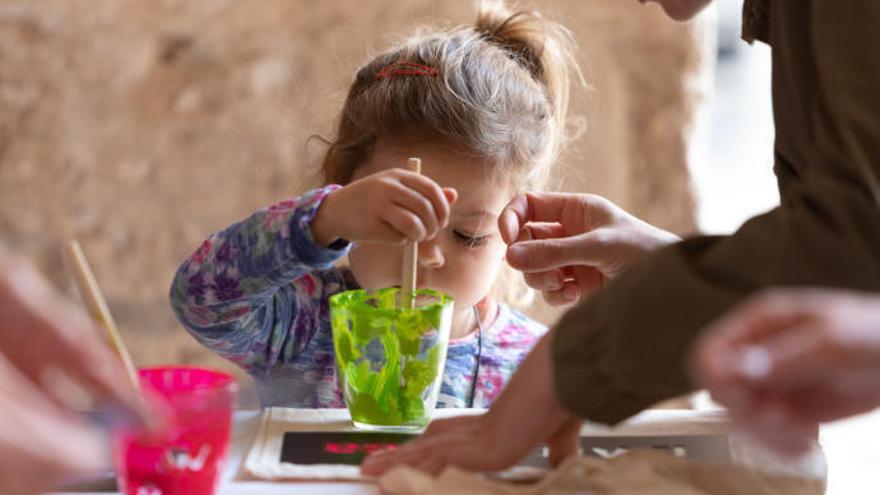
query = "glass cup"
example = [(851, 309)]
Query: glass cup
[(188, 457), (390, 359)]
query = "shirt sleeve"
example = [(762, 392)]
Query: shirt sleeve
[(254, 291), (625, 348)]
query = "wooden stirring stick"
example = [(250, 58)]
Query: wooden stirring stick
[(88, 288), (410, 255)]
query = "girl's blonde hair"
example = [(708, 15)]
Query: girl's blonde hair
[(497, 91)]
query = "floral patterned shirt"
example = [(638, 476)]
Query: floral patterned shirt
[(257, 294)]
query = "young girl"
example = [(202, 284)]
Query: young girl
[(484, 108)]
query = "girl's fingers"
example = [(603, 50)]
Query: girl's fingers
[(431, 192), (415, 202), (406, 223), (451, 195)]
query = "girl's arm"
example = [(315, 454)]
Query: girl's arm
[(247, 292)]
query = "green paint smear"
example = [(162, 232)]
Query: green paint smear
[(399, 389)]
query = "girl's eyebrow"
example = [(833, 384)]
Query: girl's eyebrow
[(479, 214)]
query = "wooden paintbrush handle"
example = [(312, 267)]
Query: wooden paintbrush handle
[(410, 255), (97, 305)]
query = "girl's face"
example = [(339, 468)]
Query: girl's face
[(681, 10), (464, 258)]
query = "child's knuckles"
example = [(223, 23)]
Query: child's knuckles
[(413, 229)]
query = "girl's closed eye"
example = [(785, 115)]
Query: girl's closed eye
[(471, 241)]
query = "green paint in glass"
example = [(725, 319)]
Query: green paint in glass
[(389, 359)]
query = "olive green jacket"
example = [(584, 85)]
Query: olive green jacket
[(626, 347)]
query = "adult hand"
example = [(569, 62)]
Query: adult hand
[(569, 245), (41, 334), (40, 443), (787, 360), (527, 414)]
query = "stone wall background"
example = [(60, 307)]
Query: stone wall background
[(140, 126)]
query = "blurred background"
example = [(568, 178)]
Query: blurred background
[(141, 126)]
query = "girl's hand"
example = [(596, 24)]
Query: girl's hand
[(569, 245), (787, 360), (391, 206)]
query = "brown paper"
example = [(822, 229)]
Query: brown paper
[(637, 472)]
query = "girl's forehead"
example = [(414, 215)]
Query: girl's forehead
[(481, 192), (480, 185)]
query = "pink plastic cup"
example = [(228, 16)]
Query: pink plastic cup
[(188, 458)]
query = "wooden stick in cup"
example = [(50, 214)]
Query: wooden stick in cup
[(410, 255), (88, 288)]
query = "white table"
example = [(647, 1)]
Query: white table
[(244, 428), (656, 424)]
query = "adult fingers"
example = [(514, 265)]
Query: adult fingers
[(792, 359), (540, 230), (587, 279), (824, 402), (729, 349), (460, 423), (512, 218), (471, 451), (532, 207), (551, 280), (568, 294), (103, 373), (409, 454), (565, 442), (68, 340), (546, 254), (453, 439), (30, 450), (762, 315), (784, 433), (740, 398)]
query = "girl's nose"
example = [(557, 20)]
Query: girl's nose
[(430, 254)]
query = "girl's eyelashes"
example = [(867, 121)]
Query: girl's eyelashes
[(469, 240)]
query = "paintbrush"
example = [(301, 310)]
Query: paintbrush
[(410, 255), (97, 306)]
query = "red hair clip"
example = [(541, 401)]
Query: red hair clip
[(406, 69)]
